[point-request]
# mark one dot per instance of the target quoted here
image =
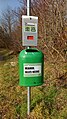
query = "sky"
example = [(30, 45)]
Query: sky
[(12, 3)]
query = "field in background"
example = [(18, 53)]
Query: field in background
[(48, 101)]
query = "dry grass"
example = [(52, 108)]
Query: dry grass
[(48, 101)]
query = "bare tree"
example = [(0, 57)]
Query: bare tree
[(10, 27), (8, 20)]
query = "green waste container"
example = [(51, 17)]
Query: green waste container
[(31, 65)]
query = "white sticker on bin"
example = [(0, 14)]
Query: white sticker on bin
[(32, 69)]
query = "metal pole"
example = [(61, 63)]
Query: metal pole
[(29, 100), (28, 88), (28, 7)]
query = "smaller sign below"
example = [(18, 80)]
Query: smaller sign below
[(31, 70)]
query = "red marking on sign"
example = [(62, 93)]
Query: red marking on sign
[(30, 37)]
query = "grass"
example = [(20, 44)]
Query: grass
[(48, 101)]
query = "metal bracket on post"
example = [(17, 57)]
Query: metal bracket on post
[(29, 88)]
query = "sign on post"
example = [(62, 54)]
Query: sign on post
[(29, 30)]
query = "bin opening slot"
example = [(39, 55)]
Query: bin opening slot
[(31, 50)]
